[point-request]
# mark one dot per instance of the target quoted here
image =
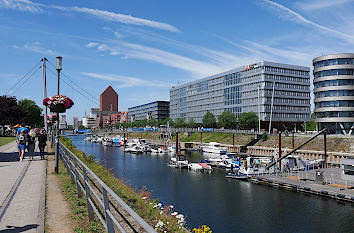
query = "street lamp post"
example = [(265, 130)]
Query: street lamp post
[(59, 67)]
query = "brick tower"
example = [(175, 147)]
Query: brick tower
[(108, 100)]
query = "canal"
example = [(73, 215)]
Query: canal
[(224, 205)]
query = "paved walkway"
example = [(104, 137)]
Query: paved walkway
[(22, 191)]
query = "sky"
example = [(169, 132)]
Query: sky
[(143, 48)]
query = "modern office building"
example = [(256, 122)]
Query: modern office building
[(154, 110), (248, 89), (109, 100), (334, 92)]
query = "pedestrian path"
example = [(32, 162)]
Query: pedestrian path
[(22, 191)]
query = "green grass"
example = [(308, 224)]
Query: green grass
[(139, 201), (78, 205), (5, 140)]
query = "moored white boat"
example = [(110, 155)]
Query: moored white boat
[(195, 167), (107, 141), (180, 163), (215, 148)]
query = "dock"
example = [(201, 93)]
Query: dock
[(304, 181)]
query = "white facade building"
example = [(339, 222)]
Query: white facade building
[(89, 121), (62, 122)]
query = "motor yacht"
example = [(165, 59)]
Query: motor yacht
[(215, 148)]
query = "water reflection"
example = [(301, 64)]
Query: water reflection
[(224, 205)]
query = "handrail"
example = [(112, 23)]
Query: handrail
[(108, 218)]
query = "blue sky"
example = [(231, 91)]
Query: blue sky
[(142, 48)]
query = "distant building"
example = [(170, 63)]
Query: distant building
[(114, 118), (334, 93), (109, 100), (75, 123), (95, 111), (62, 122), (89, 121), (154, 110), (248, 89)]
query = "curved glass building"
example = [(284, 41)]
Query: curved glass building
[(334, 92)]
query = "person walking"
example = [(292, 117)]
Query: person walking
[(23, 127), (31, 142), (21, 144), (42, 142)]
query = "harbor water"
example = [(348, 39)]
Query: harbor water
[(225, 205)]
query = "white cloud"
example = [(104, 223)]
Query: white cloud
[(15, 46), (38, 48), (92, 44), (136, 51), (21, 5), (27, 5), (126, 19), (321, 4), (294, 16), (118, 35), (126, 81)]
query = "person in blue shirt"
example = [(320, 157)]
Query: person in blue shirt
[(23, 126), (21, 143)]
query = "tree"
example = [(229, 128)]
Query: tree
[(209, 120), (227, 120), (191, 123), (180, 123), (310, 126), (33, 113), (248, 120), (10, 112)]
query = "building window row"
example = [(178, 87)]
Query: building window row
[(337, 82), (334, 93), (334, 114), (287, 101), (287, 85), (277, 116), (288, 93), (288, 108), (287, 78), (333, 72), (339, 103), (331, 62), (286, 71)]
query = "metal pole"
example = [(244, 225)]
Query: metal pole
[(57, 135), (45, 93), (271, 109), (325, 148), (124, 140), (293, 140), (279, 153), (177, 159), (233, 139), (201, 140)]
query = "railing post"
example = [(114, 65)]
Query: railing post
[(67, 163), (71, 168), (109, 221), (88, 195), (79, 192)]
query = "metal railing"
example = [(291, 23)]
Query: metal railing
[(110, 209), (181, 130)]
